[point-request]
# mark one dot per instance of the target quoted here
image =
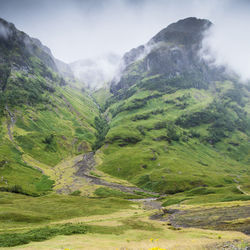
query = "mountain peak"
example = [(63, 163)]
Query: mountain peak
[(173, 53), (190, 24), (14, 42), (185, 31)]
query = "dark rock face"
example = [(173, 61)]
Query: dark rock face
[(172, 53), (187, 31), (27, 68), (133, 55), (16, 48)]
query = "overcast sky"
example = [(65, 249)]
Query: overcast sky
[(77, 29)]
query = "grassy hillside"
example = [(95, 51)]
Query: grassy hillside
[(176, 122), (179, 140), (177, 136), (43, 119), (101, 95), (57, 131), (48, 133)]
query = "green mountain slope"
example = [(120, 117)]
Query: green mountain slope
[(43, 118), (178, 125), (170, 123)]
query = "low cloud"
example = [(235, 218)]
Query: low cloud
[(4, 31), (95, 72), (228, 43)]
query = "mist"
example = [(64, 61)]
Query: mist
[(4, 31), (82, 29), (228, 40), (96, 72)]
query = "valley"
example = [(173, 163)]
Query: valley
[(157, 158)]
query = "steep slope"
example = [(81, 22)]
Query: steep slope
[(177, 123), (43, 119), (188, 140)]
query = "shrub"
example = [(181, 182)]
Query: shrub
[(160, 125), (40, 234), (50, 143), (102, 128), (172, 133), (18, 190), (236, 94), (48, 139), (200, 191), (140, 117), (140, 128), (76, 193), (194, 134)]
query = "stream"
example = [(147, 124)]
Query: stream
[(88, 163)]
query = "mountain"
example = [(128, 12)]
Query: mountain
[(172, 56), (172, 123), (62, 67), (169, 126), (177, 123), (23, 47), (42, 118)]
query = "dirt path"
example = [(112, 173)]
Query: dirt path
[(66, 181), (244, 192), (87, 164)]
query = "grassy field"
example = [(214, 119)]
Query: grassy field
[(73, 223), (18, 211)]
